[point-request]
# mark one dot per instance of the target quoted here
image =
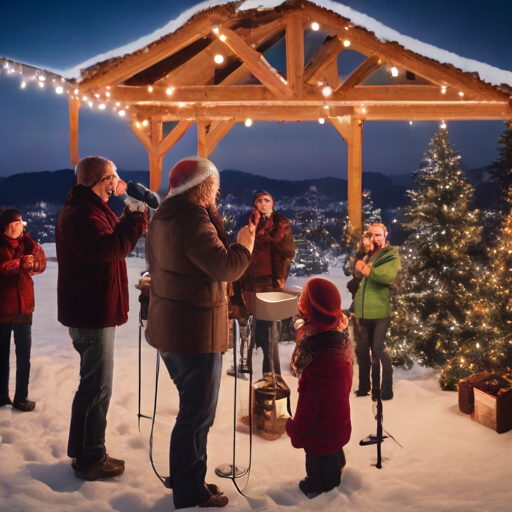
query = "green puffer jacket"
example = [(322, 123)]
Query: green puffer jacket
[(372, 299)]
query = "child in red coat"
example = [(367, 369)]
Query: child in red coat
[(323, 360)]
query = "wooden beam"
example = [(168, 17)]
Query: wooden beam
[(295, 112), (369, 66), (172, 138), (322, 59), (295, 54), (468, 112), (257, 64), (142, 136), (214, 136), (74, 107), (202, 147), (145, 58)]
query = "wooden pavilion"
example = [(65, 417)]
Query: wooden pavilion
[(179, 80)]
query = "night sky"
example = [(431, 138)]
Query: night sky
[(34, 127)]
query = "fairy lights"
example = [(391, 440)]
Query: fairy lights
[(327, 91), (315, 26), (219, 59), (346, 43), (394, 71), (248, 122)]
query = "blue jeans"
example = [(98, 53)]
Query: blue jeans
[(197, 377), (90, 406), (372, 334), (23, 343)]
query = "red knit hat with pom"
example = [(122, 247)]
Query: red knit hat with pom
[(188, 173)]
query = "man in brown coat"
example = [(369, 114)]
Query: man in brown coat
[(190, 262)]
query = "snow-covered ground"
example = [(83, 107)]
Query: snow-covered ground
[(447, 463)]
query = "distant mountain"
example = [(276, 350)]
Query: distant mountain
[(242, 185)]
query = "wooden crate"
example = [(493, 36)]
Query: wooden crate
[(493, 412)]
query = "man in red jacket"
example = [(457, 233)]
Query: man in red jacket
[(92, 289)]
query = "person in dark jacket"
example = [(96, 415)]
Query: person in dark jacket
[(20, 259), (372, 310), (92, 292), (322, 359), (190, 262), (269, 268)]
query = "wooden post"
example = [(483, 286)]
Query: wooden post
[(355, 175), (74, 106), (351, 129), (155, 158)]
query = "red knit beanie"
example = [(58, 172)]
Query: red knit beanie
[(320, 304), (188, 173)]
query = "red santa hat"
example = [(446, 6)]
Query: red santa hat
[(188, 173)]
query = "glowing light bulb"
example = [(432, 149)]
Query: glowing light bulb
[(107, 94), (315, 25), (219, 59), (41, 84), (137, 124), (97, 95), (150, 89), (90, 104), (23, 85), (102, 106), (76, 91), (443, 89), (410, 122), (394, 71), (122, 113), (215, 30), (169, 91), (41, 78), (145, 122), (461, 94), (327, 91), (321, 120), (84, 98), (443, 125), (59, 90), (118, 104), (222, 37), (346, 43), (248, 122)]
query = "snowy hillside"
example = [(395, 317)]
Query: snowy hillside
[(447, 463)]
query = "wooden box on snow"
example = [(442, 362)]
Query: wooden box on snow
[(488, 398)]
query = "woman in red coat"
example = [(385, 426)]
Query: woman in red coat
[(20, 258), (322, 359)]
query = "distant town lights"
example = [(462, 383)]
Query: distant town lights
[(248, 122), (346, 43), (219, 59), (394, 71), (315, 25), (327, 91)]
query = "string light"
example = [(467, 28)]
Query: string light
[(107, 94), (461, 94), (443, 89), (315, 26), (215, 30), (222, 37), (150, 89), (102, 106), (346, 43), (169, 91), (118, 104), (394, 71), (321, 120), (41, 84), (76, 91), (145, 122), (122, 113), (248, 122), (23, 85), (219, 59), (59, 90), (327, 91)]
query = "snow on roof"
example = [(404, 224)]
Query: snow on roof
[(486, 72)]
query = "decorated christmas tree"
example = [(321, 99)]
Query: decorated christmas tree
[(502, 173), (439, 311)]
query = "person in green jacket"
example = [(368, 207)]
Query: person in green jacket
[(372, 311)]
